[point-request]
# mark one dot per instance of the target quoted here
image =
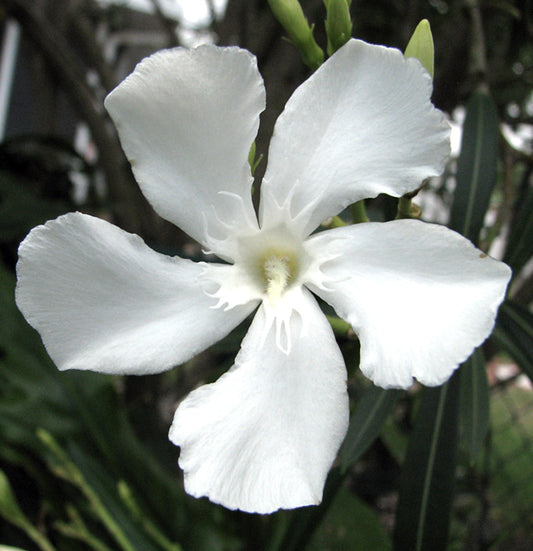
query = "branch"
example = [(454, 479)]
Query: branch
[(478, 67), (81, 27), (169, 26), (127, 200)]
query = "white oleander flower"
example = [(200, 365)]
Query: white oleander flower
[(419, 296)]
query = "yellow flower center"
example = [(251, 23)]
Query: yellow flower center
[(279, 270)]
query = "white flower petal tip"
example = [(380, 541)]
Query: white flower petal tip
[(186, 120), (264, 436), (419, 296), (102, 300), (361, 125)]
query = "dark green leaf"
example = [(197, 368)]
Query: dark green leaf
[(21, 209), (304, 521), (366, 422), (427, 482), (475, 409), (105, 487), (350, 525), (519, 246), (514, 333), (476, 167)]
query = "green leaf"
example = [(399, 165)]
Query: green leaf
[(304, 521), (350, 525), (519, 245), (427, 481), (366, 422), (514, 333), (475, 410), (476, 167)]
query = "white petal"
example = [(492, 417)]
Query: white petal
[(420, 296), (187, 120), (264, 436), (102, 300), (361, 125)]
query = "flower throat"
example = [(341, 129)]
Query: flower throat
[(278, 272)]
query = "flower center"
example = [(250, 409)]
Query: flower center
[(278, 271), (273, 262)]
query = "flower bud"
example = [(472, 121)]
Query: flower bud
[(421, 46), (289, 13), (338, 24)]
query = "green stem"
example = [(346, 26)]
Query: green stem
[(340, 327), (359, 212), (69, 471), (10, 510), (42, 542), (78, 530), (150, 528), (407, 209), (334, 222)]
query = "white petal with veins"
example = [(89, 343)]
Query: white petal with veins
[(186, 120), (104, 301), (419, 296), (361, 125), (264, 436)]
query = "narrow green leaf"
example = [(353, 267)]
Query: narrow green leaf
[(427, 482), (519, 246), (476, 167), (514, 333), (475, 409), (366, 422)]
